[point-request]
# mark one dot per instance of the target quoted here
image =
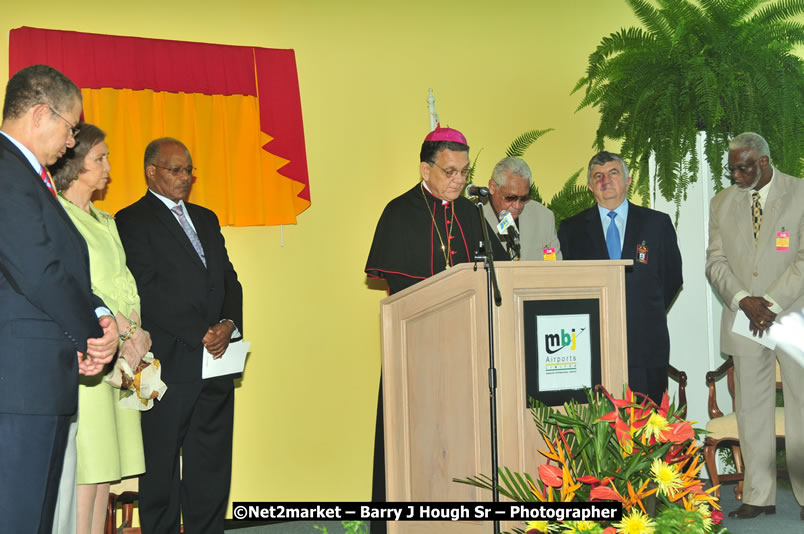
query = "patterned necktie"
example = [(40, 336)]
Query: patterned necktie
[(613, 238), (43, 174), (191, 235), (756, 214)]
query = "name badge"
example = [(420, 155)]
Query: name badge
[(642, 253), (783, 241), (549, 254)]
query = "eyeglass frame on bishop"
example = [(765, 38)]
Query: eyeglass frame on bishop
[(452, 173)]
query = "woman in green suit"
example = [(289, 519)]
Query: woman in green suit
[(109, 438)]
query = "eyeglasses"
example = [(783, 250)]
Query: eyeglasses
[(452, 173), (513, 198), (177, 171), (74, 130), (742, 169)]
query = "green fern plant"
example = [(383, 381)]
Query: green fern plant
[(519, 145), (722, 67)]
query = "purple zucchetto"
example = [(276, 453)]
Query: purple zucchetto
[(446, 134)]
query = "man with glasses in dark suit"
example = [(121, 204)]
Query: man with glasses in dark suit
[(191, 301), (51, 325)]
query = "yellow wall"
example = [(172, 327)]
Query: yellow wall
[(305, 409)]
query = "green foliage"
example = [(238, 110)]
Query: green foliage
[(349, 527), (678, 520), (523, 142), (722, 67), (571, 199)]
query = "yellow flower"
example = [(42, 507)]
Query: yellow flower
[(538, 527), (579, 527), (707, 517), (655, 426), (666, 477), (636, 523)]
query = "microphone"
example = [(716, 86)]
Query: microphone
[(476, 191), (507, 228)]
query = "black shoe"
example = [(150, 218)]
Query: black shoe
[(749, 511)]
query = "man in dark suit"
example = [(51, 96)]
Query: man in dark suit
[(191, 300), (51, 325), (618, 229)]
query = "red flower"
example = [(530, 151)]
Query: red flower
[(604, 493), (550, 475), (589, 479), (679, 432), (717, 516)]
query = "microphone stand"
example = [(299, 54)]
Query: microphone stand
[(492, 290)]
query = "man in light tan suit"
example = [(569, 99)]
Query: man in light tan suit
[(509, 190), (755, 261)]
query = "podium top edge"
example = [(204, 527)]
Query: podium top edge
[(504, 265)]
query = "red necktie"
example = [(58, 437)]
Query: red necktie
[(49, 185)]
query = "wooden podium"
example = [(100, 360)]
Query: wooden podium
[(435, 375)]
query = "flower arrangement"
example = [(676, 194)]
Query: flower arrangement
[(637, 453)]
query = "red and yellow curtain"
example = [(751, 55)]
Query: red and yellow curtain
[(236, 108)]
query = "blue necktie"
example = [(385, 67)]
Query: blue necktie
[(613, 238)]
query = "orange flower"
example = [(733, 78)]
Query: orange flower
[(678, 432), (550, 475)]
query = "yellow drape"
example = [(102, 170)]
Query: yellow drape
[(235, 177)]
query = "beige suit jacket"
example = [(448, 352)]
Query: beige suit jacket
[(735, 263), (536, 225)]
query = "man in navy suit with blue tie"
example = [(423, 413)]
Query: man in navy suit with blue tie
[(617, 229), (51, 325)]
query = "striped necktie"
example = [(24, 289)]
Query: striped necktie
[(191, 235), (46, 179)]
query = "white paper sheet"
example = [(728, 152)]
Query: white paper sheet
[(233, 360), (788, 333), (742, 326)]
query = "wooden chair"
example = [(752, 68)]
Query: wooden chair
[(123, 494), (722, 429), (679, 377)]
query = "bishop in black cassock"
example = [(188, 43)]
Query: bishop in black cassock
[(419, 235), (422, 232)]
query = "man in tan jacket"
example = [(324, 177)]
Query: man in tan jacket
[(755, 261)]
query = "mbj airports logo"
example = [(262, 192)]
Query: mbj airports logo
[(564, 350), (555, 342), (560, 348)]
